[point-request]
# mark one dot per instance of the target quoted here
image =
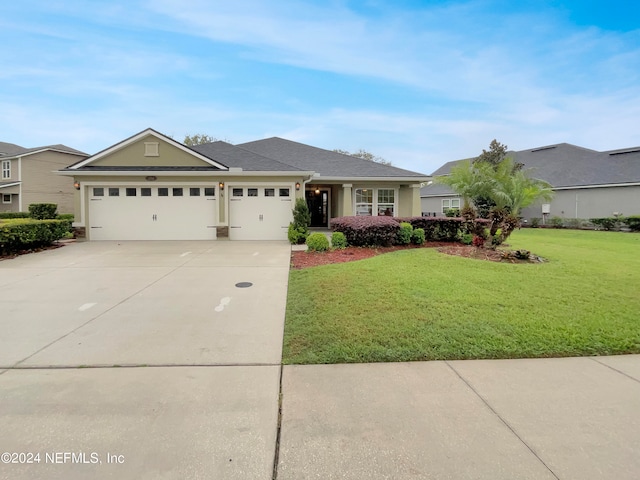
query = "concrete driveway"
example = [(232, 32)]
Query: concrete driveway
[(142, 359)]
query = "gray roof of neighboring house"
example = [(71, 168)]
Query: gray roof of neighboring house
[(565, 165), (234, 156), (13, 150), (324, 162)]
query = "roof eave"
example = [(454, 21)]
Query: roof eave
[(181, 173)]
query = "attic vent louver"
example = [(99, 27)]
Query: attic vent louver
[(543, 148)]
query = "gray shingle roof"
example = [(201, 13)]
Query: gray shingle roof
[(324, 162), (10, 149), (13, 150), (234, 156), (566, 165)]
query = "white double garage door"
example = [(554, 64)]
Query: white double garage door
[(188, 212)]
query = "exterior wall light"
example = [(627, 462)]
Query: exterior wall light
[(221, 185), (76, 185), (297, 185)]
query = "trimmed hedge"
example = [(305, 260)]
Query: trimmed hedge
[(31, 234), (385, 231), (367, 231), (633, 222), (317, 242), (9, 215), (446, 229), (43, 211)]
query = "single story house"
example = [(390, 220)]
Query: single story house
[(587, 183), (27, 176), (151, 187)]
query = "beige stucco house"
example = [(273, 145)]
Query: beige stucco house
[(151, 187), (27, 175)]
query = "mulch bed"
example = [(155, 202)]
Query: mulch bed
[(300, 260), (31, 250)]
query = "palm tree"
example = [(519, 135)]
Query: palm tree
[(466, 179)]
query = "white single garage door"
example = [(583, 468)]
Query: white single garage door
[(180, 212), (260, 213)]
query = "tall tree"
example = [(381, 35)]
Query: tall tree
[(365, 155), (198, 139)]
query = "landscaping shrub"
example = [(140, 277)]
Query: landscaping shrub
[(404, 234), (452, 212), (65, 216), (418, 237), (575, 223), (556, 222), (299, 228), (31, 234), (446, 229), (535, 222), (317, 242), (8, 215), (466, 238), (367, 231), (633, 222), (606, 223), (338, 240), (43, 211), (477, 241)]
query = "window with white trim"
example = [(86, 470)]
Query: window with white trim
[(6, 169), (386, 202), (448, 203), (364, 201), (6, 198), (375, 201)]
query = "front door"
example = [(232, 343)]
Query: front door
[(318, 203)]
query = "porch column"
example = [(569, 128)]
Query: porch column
[(416, 204), (347, 204)]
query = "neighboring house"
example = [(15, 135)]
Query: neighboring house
[(27, 176), (587, 183), (151, 187)]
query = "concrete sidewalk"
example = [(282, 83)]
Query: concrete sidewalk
[(571, 418)]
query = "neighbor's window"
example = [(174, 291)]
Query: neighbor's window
[(151, 149), (386, 201), (364, 201), (6, 169), (6, 198), (98, 192), (448, 203)]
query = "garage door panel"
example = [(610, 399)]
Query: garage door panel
[(260, 213), (152, 213)]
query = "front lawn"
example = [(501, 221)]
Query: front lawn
[(423, 305)]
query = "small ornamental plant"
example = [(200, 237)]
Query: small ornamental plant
[(317, 242)]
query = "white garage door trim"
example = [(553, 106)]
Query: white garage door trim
[(263, 211), (158, 211)]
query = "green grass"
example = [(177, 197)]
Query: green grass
[(423, 305)]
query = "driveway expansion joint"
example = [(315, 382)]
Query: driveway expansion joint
[(504, 421)]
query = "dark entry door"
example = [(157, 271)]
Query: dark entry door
[(318, 203)]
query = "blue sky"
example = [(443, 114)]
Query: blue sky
[(416, 82)]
